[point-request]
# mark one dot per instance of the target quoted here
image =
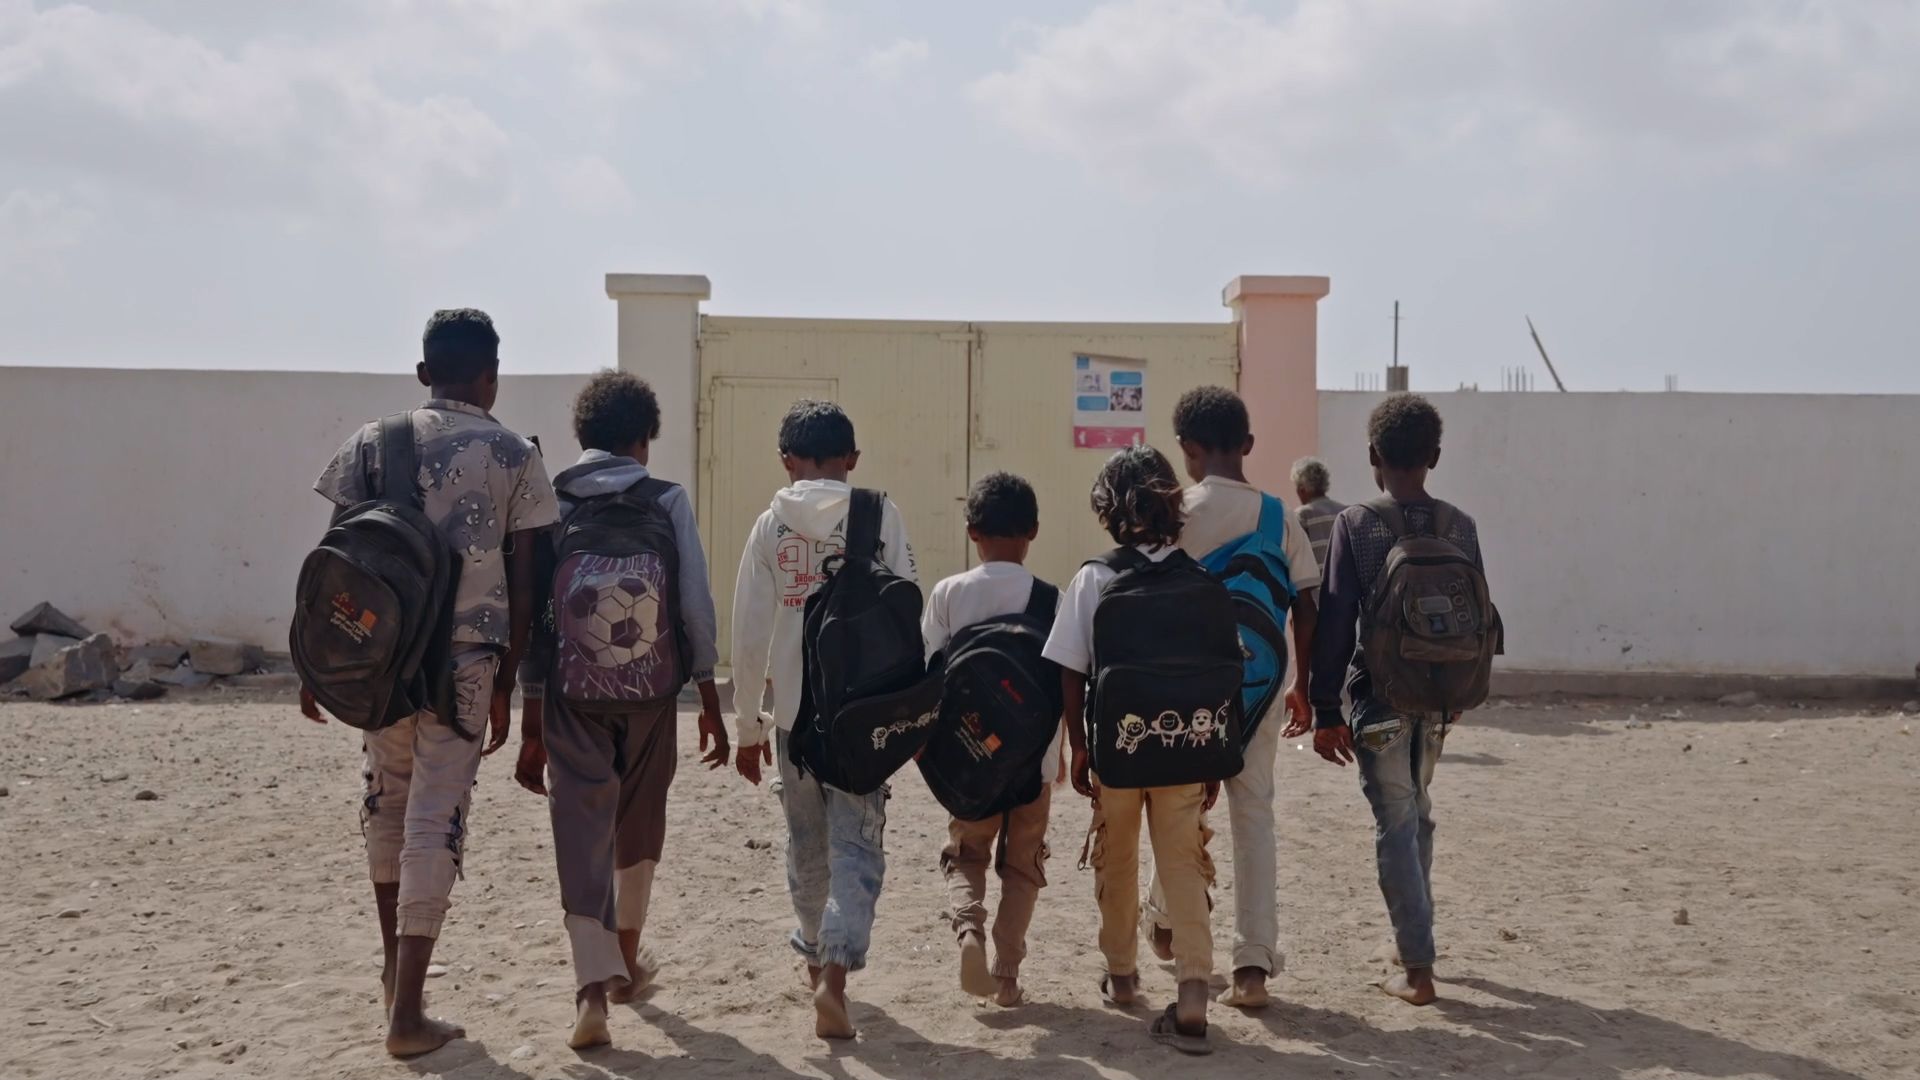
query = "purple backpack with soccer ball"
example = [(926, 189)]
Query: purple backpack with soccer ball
[(618, 640)]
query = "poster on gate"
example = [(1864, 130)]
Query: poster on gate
[(1109, 402)]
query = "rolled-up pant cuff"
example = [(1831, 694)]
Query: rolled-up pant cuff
[(1261, 957), (596, 952), (844, 957), (384, 869), (426, 926)]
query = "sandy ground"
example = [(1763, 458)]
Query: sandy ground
[(225, 929)]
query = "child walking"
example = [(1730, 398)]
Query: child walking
[(1003, 517), (1396, 749), (836, 857), (608, 756), (1220, 506), (1137, 500), (487, 491)]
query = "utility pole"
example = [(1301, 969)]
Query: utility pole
[(1396, 375), (1543, 355)]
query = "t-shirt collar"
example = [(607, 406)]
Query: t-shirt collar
[(450, 405)]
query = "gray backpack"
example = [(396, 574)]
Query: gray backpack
[(1430, 629)]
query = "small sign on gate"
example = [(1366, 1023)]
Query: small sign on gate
[(1109, 402)]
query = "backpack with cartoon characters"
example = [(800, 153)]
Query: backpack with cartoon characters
[(1164, 705)]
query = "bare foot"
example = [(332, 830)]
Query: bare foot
[(1249, 990), (831, 1019), (642, 969), (1413, 986), (813, 977), (1161, 941), (590, 1019), (1009, 994), (421, 1036), (1122, 990), (974, 977)]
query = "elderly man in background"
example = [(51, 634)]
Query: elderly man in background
[(1316, 513)]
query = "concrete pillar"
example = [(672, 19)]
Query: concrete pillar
[(1279, 367), (659, 341)]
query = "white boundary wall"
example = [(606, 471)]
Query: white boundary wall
[(155, 504), (1748, 534), (1717, 533)]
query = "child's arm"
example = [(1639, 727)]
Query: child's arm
[(755, 604), (1073, 691), (933, 621), (531, 768), (521, 600), (700, 622), (1306, 617), (1334, 635)]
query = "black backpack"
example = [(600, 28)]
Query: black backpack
[(619, 643), (867, 702), (999, 710), (373, 609), (1165, 703)]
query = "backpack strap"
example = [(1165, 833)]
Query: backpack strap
[(1042, 601), (863, 524), (399, 461), (1122, 559), (652, 488), (1390, 515), (1444, 518)]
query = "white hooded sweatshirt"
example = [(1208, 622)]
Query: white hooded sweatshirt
[(779, 569)]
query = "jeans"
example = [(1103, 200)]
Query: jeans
[(1397, 753), (836, 861)]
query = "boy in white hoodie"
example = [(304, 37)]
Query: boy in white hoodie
[(836, 860)]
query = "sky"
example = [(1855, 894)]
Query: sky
[(1720, 190)]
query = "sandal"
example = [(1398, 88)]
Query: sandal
[(1166, 1031), (1106, 993)]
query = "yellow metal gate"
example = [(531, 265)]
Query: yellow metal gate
[(935, 405)]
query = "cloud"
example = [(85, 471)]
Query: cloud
[(892, 62), (295, 132), (1325, 86), (591, 185), (35, 222)]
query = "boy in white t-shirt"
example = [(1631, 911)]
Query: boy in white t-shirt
[(1003, 517), (1212, 425)]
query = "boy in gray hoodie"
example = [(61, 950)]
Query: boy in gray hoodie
[(608, 770), (835, 856)]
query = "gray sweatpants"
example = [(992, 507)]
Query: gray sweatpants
[(607, 774)]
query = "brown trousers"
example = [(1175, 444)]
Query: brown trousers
[(607, 775), (1022, 862), (1173, 827)]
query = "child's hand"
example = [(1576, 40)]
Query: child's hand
[(713, 732), (1299, 714), (310, 708), (499, 718), (747, 759), (531, 770), (1083, 775), (1335, 744)]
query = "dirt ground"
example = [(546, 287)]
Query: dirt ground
[(225, 928)]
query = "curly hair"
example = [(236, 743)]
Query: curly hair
[(1137, 498), (1405, 431), (615, 410), (1310, 475), (460, 345), (816, 431), (1002, 504), (1212, 417)]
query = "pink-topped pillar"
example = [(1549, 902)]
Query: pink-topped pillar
[(1279, 367)]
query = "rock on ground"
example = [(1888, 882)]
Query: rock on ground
[(161, 654), (16, 656), (223, 656), (183, 677), (1741, 699), (44, 618), (86, 665), (138, 683)]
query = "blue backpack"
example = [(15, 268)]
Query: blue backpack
[(1254, 570)]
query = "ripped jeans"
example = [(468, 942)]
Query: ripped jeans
[(1397, 753), (836, 863)]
